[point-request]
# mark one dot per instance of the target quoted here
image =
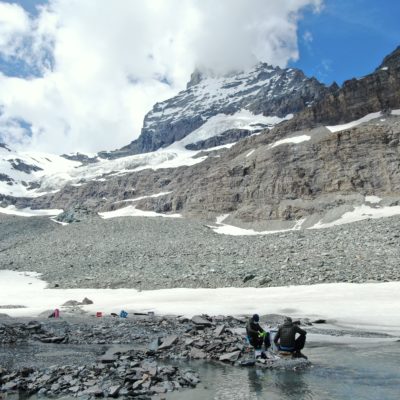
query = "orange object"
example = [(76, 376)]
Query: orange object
[(99, 314)]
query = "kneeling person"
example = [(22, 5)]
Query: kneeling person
[(257, 336), (286, 339)]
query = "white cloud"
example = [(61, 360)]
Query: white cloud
[(308, 37), (14, 25), (104, 64)]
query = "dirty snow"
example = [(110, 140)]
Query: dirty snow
[(143, 197), (294, 139), (132, 211), (27, 212), (221, 123), (366, 118), (231, 230), (373, 199), (360, 213), (362, 306)]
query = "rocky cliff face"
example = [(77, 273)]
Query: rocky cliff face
[(299, 168), (272, 92), (262, 180), (378, 91)]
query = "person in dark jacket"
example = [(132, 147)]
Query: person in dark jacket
[(257, 336), (286, 339)]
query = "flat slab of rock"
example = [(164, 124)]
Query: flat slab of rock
[(198, 320), (108, 358), (219, 330), (197, 354), (168, 342), (113, 391), (153, 346), (230, 357), (53, 339)]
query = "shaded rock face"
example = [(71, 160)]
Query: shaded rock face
[(379, 91), (262, 90), (19, 165), (5, 178), (83, 158), (229, 136)]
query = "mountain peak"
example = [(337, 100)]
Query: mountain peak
[(392, 60)]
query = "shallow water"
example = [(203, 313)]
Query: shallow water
[(358, 371), (345, 372)]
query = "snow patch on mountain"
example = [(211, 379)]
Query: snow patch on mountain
[(132, 211), (290, 140), (18, 170), (366, 118), (360, 213), (143, 197), (46, 173), (226, 229), (242, 119), (28, 212)]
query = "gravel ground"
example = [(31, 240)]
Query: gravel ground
[(148, 253)]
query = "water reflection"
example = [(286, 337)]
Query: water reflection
[(255, 378), (338, 372), (292, 384)]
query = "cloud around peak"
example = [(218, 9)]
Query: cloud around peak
[(85, 73)]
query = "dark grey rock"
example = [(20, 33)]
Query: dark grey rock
[(197, 354), (200, 321), (167, 342), (230, 357), (219, 330), (114, 390), (71, 303)]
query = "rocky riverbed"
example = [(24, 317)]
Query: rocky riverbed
[(148, 253), (83, 356)]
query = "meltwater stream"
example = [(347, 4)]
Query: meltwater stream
[(340, 372)]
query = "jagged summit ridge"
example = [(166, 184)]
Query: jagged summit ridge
[(263, 89), (392, 60)]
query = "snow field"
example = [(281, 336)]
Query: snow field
[(370, 306)]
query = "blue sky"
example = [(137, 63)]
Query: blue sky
[(349, 38)]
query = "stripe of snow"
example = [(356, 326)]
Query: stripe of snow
[(373, 199), (143, 197), (250, 153), (27, 212), (295, 139), (231, 230), (131, 211), (366, 118)]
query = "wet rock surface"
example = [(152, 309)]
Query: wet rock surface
[(111, 357), (127, 375)]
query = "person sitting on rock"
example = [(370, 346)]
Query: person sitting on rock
[(286, 340), (257, 336)]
